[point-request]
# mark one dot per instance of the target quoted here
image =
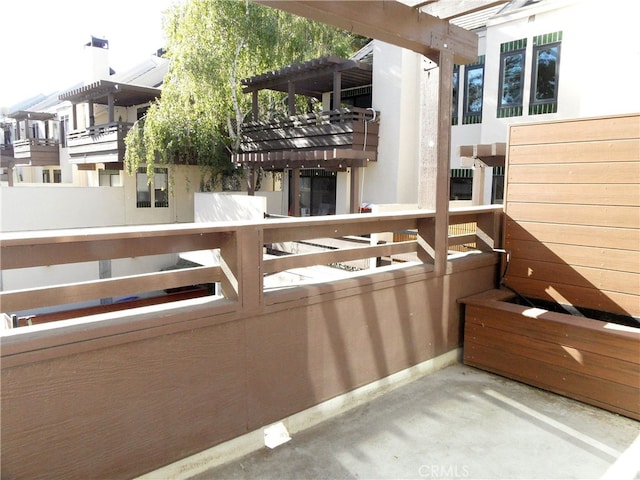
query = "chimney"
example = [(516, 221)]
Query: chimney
[(97, 60)]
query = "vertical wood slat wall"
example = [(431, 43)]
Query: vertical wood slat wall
[(573, 212)]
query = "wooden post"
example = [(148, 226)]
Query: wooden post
[(254, 105), (92, 118), (10, 168), (292, 98), (241, 263), (337, 90), (111, 107), (477, 189), (295, 194), (74, 116), (435, 150), (354, 203)]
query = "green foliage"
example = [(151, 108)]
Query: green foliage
[(212, 45)]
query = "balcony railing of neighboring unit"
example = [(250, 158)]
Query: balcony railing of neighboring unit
[(35, 142), (354, 129), (241, 251), (98, 139), (38, 151)]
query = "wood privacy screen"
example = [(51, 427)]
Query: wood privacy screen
[(573, 212)]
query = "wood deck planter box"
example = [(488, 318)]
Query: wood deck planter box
[(585, 359)]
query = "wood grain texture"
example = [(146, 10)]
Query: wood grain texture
[(580, 358), (115, 399), (575, 173), (625, 150), (620, 127), (573, 212)]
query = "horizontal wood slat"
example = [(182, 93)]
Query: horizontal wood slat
[(279, 264), (583, 334), (575, 152), (599, 278), (586, 130), (564, 356), (568, 194), (80, 292), (579, 235), (575, 173), (606, 301), (596, 391), (610, 259), (597, 215)]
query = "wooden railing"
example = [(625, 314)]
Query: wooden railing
[(34, 142), (105, 142), (98, 132), (331, 129), (241, 246), (38, 151)]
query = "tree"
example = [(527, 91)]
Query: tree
[(212, 45)]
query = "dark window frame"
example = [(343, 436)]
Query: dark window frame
[(472, 116), (540, 43), (455, 95)]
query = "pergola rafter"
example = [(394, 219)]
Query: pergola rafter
[(390, 21)]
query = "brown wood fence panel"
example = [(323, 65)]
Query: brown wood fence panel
[(573, 212)]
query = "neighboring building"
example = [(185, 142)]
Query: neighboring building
[(542, 60), (62, 161), (535, 63), (75, 140)]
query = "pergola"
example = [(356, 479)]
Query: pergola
[(424, 27), (311, 79), (108, 93)]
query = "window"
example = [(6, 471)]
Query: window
[(456, 87), (461, 186), (64, 128), (161, 187), (473, 91), (57, 176), (160, 190), (109, 178), (46, 176), (143, 189), (317, 192), (544, 73), (497, 185), (511, 78)]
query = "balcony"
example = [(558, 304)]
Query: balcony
[(37, 148), (6, 156), (98, 144), (332, 139), (37, 152), (253, 355)]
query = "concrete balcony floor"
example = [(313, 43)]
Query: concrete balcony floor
[(458, 422)]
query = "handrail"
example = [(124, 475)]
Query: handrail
[(321, 118), (101, 129), (33, 142), (241, 245)]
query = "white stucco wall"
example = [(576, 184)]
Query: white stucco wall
[(599, 61), (393, 178)]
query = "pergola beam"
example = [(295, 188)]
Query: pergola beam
[(450, 10), (390, 21)]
